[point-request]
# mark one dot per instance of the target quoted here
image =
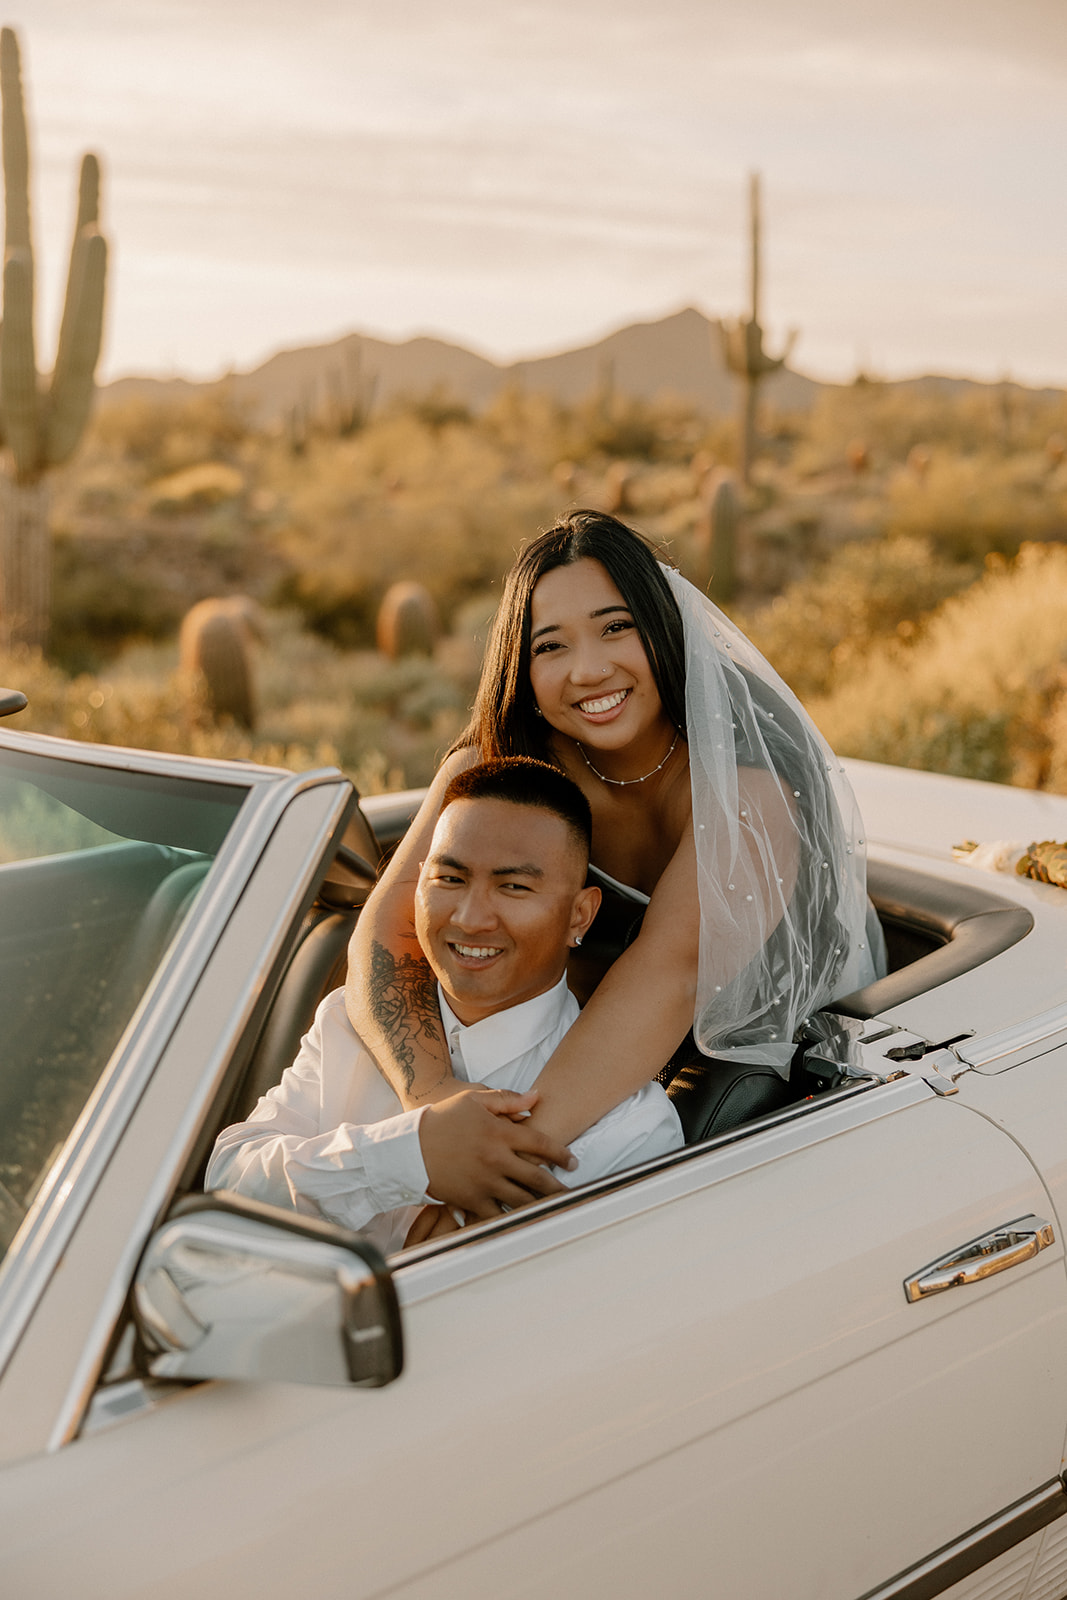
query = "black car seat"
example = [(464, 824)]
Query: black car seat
[(712, 1097), (319, 963)]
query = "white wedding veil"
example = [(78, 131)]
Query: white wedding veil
[(785, 923)]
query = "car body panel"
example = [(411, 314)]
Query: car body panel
[(1027, 1101), (702, 1376), (629, 1372)]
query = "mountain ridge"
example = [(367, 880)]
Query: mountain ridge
[(677, 356)]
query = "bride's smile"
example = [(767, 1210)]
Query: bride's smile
[(603, 705)]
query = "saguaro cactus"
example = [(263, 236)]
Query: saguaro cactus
[(724, 515), (717, 528), (742, 344), (40, 425)]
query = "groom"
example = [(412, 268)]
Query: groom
[(501, 899)]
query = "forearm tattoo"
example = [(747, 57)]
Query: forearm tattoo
[(403, 1003)]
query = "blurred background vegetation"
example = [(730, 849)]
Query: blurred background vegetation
[(900, 555)]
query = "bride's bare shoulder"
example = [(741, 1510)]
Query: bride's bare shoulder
[(457, 761)]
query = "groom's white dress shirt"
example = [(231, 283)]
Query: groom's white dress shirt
[(333, 1140)]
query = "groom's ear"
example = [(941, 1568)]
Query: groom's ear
[(585, 907)]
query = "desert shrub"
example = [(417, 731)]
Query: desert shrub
[(385, 724), (528, 430), (536, 431), (98, 604), (1056, 777), (611, 425), (447, 505), (822, 625), (436, 410), (402, 499), (195, 489), (141, 711), (131, 582), (975, 694), (411, 690), (967, 506), (621, 426), (156, 437), (103, 489), (893, 418)]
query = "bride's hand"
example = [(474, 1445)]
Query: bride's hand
[(481, 1154), (432, 1222)]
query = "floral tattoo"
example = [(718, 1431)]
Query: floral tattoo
[(403, 1002)]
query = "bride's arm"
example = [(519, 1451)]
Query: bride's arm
[(643, 1007), (391, 993), (638, 1014)]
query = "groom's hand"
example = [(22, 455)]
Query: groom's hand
[(482, 1155)]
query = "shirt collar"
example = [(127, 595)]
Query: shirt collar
[(496, 1041)]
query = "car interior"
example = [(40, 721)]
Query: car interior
[(933, 930), (50, 957)]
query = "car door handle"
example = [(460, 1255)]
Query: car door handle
[(994, 1252)]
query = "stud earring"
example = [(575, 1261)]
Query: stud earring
[(577, 940), (538, 712)]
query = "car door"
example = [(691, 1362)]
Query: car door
[(752, 1405), (704, 1380)]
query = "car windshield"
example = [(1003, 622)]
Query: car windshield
[(98, 869)]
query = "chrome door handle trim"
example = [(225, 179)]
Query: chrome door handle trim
[(994, 1252)]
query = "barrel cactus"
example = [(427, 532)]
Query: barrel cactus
[(408, 622), (215, 653), (40, 425)]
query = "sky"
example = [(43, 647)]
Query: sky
[(522, 176)]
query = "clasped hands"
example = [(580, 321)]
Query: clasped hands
[(483, 1157)]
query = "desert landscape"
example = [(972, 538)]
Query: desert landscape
[(213, 566), (900, 553)]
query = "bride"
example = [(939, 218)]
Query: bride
[(714, 800)]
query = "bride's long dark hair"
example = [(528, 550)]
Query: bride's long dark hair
[(504, 720)]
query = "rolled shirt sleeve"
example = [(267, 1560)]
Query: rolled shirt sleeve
[(644, 1126)]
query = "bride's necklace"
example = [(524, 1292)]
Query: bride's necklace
[(624, 783)]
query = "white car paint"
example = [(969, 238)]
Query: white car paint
[(707, 1381)]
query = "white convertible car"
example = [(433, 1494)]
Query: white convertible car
[(819, 1354)]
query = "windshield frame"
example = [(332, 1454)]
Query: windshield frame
[(67, 1187)]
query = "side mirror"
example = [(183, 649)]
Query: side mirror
[(230, 1288)]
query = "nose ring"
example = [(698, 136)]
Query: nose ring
[(606, 671)]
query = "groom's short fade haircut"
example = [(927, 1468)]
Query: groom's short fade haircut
[(522, 781)]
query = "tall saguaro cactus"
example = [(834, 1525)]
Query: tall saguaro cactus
[(742, 342), (40, 423)]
